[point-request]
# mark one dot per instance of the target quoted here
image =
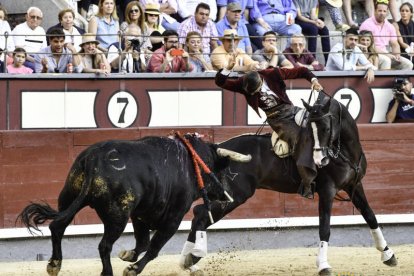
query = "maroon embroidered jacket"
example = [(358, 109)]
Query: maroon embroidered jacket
[(274, 78)]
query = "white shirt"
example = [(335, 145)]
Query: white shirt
[(352, 58), (5, 27), (187, 8), (30, 40)]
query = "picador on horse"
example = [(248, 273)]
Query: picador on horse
[(266, 89)]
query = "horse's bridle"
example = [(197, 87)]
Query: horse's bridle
[(330, 148)]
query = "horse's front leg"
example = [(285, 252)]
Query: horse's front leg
[(326, 197), (360, 201)]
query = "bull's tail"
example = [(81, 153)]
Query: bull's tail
[(36, 214)]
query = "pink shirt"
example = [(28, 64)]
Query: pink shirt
[(21, 70), (383, 34)]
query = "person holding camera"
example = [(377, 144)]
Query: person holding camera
[(401, 107), (132, 58), (169, 58)]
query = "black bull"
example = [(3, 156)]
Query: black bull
[(266, 171), (151, 180)]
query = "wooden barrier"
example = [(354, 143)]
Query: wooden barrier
[(34, 165)]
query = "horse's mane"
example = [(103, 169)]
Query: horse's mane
[(267, 134)]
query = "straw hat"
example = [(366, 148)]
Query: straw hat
[(151, 8), (335, 3), (87, 38), (230, 34)]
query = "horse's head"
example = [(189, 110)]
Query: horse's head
[(323, 130)]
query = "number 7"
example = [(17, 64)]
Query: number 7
[(122, 115)]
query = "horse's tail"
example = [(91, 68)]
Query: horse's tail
[(36, 214)]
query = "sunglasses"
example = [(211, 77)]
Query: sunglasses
[(134, 11), (150, 14), (36, 17)]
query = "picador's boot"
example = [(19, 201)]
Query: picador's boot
[(307, 190)]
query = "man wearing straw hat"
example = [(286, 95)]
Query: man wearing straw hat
[(220, 56)]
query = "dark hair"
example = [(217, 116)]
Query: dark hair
[(168, 33), (410, 7), (56, 32), (202, 5), (269, 33), (62, 13), (19, 50), (352, 31)]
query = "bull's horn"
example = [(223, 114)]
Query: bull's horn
[(235, 156)]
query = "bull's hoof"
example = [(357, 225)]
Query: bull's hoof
[(128, 255), (191, 260), (129, 271), (53, 267), (326, 272), (392, 261)]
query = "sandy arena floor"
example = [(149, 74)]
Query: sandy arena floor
[(349, 261)]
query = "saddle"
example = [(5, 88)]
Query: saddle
[(281, 147)]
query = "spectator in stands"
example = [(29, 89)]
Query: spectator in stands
[(385, 35), (247, 6), (277, 16), (369, 9), (221, 55), (19, 57), (312, 26), (133, 57), (189, 7), (334, 11), (73, 34), (401, 107), (169, 58), (29, 35), (405, 30), (200, 22), (93, 59), (168, 9), (58, 57), (299, 56), (135, 18), (232, 21), (200, 61), (105, 24), (269, 55), (348, 56), (87, 8), (5, 27), (153, 26), (366, 44)]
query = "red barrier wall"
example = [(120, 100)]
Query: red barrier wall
[(34, 164)]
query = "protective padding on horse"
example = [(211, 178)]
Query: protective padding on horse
[(280, 147), (322, 260), (200, 248), (380, 242), (188, 247), (386, 254)]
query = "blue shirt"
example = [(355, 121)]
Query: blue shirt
[(60, 67), (107, 33), (404, 110), (263, 7), (245, 4), (241, 31)]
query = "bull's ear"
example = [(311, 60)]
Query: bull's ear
[(306, 105)]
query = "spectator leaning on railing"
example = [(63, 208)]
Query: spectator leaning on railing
[(347, 56), (17, 67), (93, 59), (297, 54), (269, 55), (58, 57), (201, 62), (367, 46)]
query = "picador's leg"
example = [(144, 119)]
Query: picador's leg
[(307, 185)]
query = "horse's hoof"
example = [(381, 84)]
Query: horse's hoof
[(128, 255), (129, 271), (392, 261), (53, 267), (191, 260), (326, 272)]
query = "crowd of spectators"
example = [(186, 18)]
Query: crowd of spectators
[(199, 35)]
